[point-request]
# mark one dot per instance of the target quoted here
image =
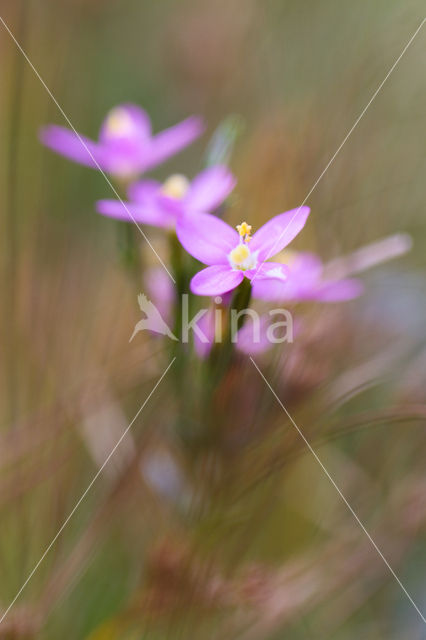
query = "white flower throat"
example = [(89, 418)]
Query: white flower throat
[(241, 258), (176, 186), (119, 123)]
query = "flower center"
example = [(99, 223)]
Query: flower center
[(241, 257), (175, 187), (240, 254), (119, 123)]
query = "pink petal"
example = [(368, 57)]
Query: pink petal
[(139, 213), (209, 189), (269, 270), (369, 256), (124, 158), (270, 289), (207, 238), (160, 289), (303, 275), (215, 280), (148, 194), (307, 267), (144, 191), (339, 291), (301, 283), (73, 146), (173, 140), (299, 290), (278, 232), (249, 342)]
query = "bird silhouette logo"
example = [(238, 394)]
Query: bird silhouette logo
[(153, 321)]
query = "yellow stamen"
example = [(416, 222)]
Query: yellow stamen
[(244, 229), (176, 186), (239, 254)]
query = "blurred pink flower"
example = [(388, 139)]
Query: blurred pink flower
[(309, 279), (160, 205), (161, 291), (126, 146), (305, 281), (248, 339)]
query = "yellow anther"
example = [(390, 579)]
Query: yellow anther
[(176, 186), (239, 254), (244, 229), (119, 122)]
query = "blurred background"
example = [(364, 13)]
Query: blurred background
[(169, 542)]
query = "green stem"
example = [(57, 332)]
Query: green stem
[(181, 277), (222, 352), (179, 270), (129, 249), (220, 360), (128, 240)]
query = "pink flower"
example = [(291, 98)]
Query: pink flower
[(160, 205), (306, 280), (309, 279), (126, 146), (232, 255)]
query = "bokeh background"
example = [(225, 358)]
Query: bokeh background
[(274, 553)]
